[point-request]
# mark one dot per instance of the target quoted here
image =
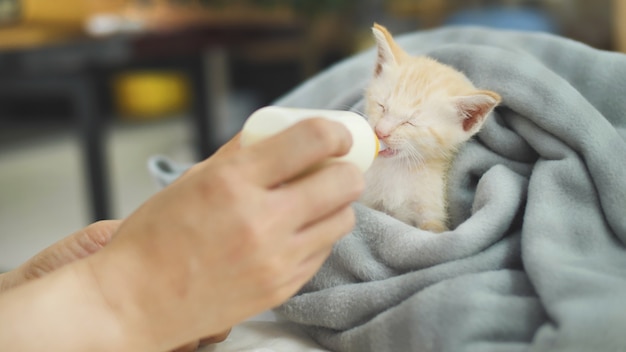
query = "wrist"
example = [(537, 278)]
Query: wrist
[(127, 286), (61, 311), (108, 274), (143, 290)]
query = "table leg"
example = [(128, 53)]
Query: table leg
[(619, 25), (83, 95), (209, 82), (92, 137)]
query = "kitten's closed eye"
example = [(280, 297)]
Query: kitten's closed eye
[(382, 107)]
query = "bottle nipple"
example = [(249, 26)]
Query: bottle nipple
[(381, 146)]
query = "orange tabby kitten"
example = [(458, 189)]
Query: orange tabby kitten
[(423, 111)]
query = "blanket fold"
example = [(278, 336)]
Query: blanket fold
[(536, 260)]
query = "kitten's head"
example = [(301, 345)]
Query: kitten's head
[(420, 108)]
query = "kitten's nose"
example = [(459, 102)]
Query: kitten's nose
[(381, 134)]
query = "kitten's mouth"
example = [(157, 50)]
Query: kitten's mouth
[(387, 152), (384, 150)]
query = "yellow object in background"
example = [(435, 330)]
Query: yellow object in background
[(29, 23), (65, 12), (147, 95)]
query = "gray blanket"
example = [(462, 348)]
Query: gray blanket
[(536, 260)]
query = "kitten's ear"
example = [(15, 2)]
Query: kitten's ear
[(389, 53), (474, 108)]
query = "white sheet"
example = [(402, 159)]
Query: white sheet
[(265, 333), (265, 336)]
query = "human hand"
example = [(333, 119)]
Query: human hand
[(232, 237), (227, 149)]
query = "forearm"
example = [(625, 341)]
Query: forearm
[(62, 311)]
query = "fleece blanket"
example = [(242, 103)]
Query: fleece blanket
[(537, 257), (536, 260)]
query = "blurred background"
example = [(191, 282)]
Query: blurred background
[(90, 89)]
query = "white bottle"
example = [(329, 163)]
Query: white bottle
[(270, 120)]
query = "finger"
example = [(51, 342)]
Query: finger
[(226, 150), (86, 241), (95, 236), (215, 338), (323, 234), (311, 247), (230, 147), (320, 194), (286, 155), (190, 347), (302, 274), (312, 265)]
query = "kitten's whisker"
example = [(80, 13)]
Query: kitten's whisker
[(362, 113), (344, 107), (418, 158), (412, 158), (352, 108)]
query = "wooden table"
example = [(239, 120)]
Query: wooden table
[(77, 69)]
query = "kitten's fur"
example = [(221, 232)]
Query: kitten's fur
[(423, 110)]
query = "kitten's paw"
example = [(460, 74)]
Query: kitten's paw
[(434, 226)]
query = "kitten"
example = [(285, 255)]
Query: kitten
[(423, 111)]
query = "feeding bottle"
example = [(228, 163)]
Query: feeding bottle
[(270, 120)]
